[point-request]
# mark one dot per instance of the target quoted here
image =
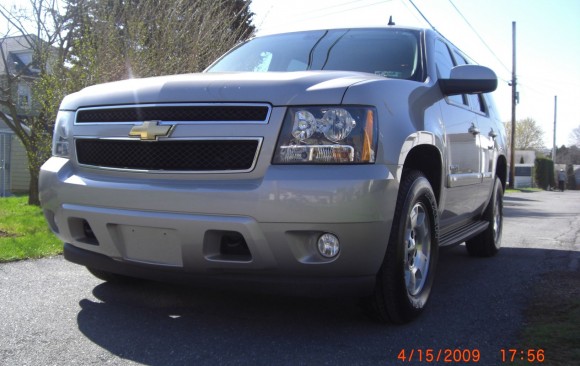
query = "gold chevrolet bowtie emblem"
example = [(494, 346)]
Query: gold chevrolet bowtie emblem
[(151, 131)]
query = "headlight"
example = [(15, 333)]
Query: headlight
[(327, 135), (61, 134)]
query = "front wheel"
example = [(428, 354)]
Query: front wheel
[(405, 279)]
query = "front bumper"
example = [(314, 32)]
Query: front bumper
[(171, 229), (255, 282)]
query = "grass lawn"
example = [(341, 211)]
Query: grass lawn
[(553, 319), (23, 231), (523, 190)]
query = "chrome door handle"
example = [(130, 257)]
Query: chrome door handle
[(473, 130)]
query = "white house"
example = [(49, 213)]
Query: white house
[(524, 168), (16, 58)]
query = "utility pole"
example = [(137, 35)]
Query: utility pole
[(514, 100), (555, 110)]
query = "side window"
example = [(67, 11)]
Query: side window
[(489, 106), (478, 103), (444, 64), (460, 60), (443, 59)]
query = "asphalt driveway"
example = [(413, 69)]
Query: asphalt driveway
[(55, 313)]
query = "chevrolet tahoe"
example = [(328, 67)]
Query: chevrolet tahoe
[(316, 162)]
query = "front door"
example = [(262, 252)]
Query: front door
[(463, 164), (5, 146)]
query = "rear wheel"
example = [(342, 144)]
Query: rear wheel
[(487, 243), (405, 279)]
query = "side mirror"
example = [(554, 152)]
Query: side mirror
[(469, 79)]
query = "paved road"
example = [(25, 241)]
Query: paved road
[(55, 313)]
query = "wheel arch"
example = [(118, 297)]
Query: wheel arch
[(501, 170), (426, 158)]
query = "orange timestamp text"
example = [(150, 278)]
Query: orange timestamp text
[(457, 355), (530, 355), (445, 355)]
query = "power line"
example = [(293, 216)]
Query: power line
[(478, 36), (472, 28), (358, 7), (404, 2), (324, 11), (422, 15)]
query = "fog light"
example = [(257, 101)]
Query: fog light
[(328, 245)]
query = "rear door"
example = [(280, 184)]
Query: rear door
[(488, 132)]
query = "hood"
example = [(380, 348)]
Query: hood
[(278, 89)]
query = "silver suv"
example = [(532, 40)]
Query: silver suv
[(319, 162)]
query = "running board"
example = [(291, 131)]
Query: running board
[(463, 233)]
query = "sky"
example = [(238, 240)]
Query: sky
[(547, 43)]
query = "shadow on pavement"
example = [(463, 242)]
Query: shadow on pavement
[(159, 324)]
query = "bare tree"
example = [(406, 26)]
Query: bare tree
[(41, 32), (139, 38), (575, 137), (568, 155), (92, 41)]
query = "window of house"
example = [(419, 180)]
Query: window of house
[(25, 57), (26, 60), (24, 96)]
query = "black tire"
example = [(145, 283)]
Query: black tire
[(405, 279), (488, 243), (110, 277)]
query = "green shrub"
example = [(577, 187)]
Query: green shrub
[(545, 173), (571, 177)]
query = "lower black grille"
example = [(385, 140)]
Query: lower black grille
[(184, 155)]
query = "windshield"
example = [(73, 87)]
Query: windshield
[(392, 53)]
